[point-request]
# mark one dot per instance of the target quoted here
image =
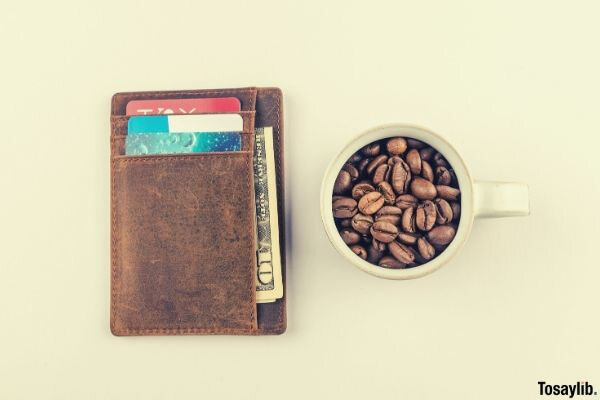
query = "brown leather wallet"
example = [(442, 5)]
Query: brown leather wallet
[(183, 230)]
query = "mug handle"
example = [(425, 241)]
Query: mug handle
[(500, 199)]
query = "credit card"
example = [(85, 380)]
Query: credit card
[(182, 106), (186, 142), (185, 123)]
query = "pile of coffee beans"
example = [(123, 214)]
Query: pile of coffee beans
[(396, 203)]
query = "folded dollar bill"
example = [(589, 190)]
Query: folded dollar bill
[(269, 284)]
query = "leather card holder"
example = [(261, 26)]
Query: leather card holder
[(183, 230)]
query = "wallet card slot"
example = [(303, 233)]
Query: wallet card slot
[(118, 144), (118, 123), (183, 244), (247, 97)]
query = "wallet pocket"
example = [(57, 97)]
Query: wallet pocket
[(183, 244), (119, 122), (246, 96), (117, 144)]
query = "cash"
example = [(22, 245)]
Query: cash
[(269, 284)]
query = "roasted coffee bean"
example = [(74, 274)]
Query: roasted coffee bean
[(370, 203), (391, 262), (345, 223), (397, 198), (401, 252), (441, 235), (442, 176), (426, 153), (382, 173), (390, 214), (362, 165), (415, 144), (362, 223), (346, 207), (354, 174), (439, 160), (371, 150), (392, 219), (422, 189), (408, 220), (455, 210), (342, 182), (350, 236), (400, 177), (375, 251), (418, 259), (396, 146), (409, 239), (359, 251), (426, 171), (447, 192), (426, 250), (444, 211), (384, 231), (405, 201), (388, 210), (413, 159), (425, 216), (388, 193), (376, 162), (360, 189)]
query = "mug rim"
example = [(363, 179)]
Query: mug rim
[(452, 156)]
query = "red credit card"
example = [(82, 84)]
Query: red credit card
[(183, 106)]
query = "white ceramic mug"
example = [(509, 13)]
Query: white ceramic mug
[(478, 199)]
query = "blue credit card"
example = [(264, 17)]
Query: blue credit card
[(185, 123), (179, 143)]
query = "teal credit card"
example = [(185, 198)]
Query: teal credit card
[(185, 142)]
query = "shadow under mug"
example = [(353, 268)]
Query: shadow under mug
[(478, 199)]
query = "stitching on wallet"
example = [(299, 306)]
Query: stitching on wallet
[(113, 304), (200, 91), (150, 159), (279, 175), (121, 137), (250, 175), (188, 330)]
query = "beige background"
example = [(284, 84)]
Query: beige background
[(513, 84)]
